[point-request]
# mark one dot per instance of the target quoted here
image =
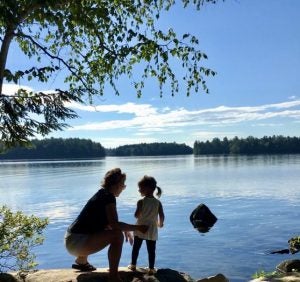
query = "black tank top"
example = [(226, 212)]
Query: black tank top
[(93, 217)]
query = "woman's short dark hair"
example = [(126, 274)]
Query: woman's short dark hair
[(113, 177)]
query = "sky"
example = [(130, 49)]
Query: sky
[(253, 45)]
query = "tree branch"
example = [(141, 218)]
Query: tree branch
[(72, 70)]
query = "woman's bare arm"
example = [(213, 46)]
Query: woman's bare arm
[(112, 217)]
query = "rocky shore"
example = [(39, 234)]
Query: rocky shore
[(101, 275), (286, 271), (289, 272), (287, 277)]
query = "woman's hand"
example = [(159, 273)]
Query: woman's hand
[(128, 237), (142, 228)]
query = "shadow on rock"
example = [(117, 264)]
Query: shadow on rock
[(103, 277), (166, 275), (162, 275), (6, 277)]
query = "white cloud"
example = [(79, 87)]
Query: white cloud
[(128, 108), (11, 89), (115, 142), (208, 135), (146, 118), (267, 124), (149, 118)]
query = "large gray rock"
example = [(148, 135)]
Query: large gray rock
[(287, 271), (292, 265), (100, 275), (216, 278)]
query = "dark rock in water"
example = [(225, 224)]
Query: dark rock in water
[(292, 265), (202, 218), (294, 244), (284, 251), (294, 247)]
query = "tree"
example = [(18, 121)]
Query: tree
[(56, 148), (91, 44), (19, 233)]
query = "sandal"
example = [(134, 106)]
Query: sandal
[(151, 271), (83, 267), (132, 267)]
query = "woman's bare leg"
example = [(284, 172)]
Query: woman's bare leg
[(114, 253), (81, 259), (99, 241)]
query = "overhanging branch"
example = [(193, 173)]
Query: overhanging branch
[(71, 69)]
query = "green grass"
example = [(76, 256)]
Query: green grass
[(264, 274)]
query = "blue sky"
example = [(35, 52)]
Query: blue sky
[(253, 45)]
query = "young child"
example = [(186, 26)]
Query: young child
[(148, 210)]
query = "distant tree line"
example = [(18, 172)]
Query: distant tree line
[(250, 145), (75, 148), (152, 149), (57, 148)]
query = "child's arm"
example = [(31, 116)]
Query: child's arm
[(161, 215), (138, 209)]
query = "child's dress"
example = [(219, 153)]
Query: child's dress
[(148, 217)]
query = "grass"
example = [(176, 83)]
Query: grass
[(264, 274)]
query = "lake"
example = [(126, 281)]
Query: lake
[(256, 200)]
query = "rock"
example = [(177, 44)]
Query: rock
[(6, 277), (288, 277), (217, 278), (100, 275), (202, 218), (294, 244), (292, 265), (287, 271)]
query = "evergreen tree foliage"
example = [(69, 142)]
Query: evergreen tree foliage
[(89, 46), (57, 148), (250, 145), (153, 149)]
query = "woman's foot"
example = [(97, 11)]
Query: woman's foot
[(83, 267)]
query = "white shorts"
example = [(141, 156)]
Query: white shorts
[(75, 242)]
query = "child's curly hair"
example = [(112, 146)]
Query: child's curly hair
[(150, 182), (113, 177)]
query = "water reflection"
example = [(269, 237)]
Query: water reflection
[(256, 200), (249, 176)]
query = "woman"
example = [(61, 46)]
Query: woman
[(97, 226)]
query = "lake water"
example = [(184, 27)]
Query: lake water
[(256, 200)]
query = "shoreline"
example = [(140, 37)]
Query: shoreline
[(101, 275)]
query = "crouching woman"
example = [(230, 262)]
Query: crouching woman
[(97, 226)]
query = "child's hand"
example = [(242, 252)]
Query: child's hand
[(160, 224), (128, 237), (142, 228)]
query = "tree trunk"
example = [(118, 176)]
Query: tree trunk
[(3, 55)]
